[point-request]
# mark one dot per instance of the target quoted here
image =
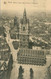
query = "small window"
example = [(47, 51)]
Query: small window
[(23, 28), (0, 56)]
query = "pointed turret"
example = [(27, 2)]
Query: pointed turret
[(24, 17), (24, 14), (24, 20), (16, 21)]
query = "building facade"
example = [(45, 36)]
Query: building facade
[(14, 32), (24, 31), (33, 57), (4, 49), (4, 57)]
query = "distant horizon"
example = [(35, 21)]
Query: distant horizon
[(21, 14), (15, 8)]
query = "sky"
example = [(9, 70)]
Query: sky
[(13, 6)]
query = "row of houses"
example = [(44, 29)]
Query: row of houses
[(4, 49), (4, 57)]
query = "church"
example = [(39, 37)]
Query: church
[(24, 31), (26, 55), (21, 31)]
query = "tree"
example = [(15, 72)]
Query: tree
[(10, 63), (31, 73), (10, 66), (4, 34), (21, 71), (48, 74)]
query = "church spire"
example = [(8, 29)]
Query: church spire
[(24, 16), (24, 20)]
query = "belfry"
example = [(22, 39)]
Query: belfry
[(24, 31)]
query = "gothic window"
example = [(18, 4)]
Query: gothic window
[(23, 28)]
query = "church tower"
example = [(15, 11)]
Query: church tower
[(16, 25), (24, 31), (16, 21)]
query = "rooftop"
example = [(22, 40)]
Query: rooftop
[(30, 52)]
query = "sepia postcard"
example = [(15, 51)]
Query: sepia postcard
[(25, 39)]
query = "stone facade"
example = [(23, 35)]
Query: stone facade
[(24, 31), (14, 32), (23, 41), (33, 57)]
